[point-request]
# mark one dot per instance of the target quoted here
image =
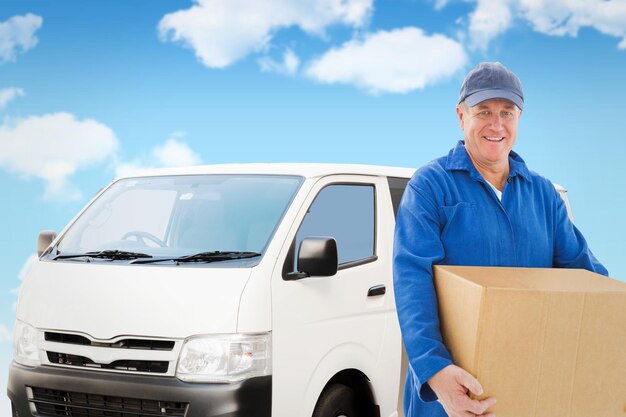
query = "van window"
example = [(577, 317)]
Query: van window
[(396, 187), (346, 213), (120, 215), (183, 215)]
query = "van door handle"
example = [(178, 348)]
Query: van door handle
[(376, 290)]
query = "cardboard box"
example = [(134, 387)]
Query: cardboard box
[(543, 342)]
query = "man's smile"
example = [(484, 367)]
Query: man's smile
[(494, 139)]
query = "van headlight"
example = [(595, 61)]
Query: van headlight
[(25, 344), (225, 358)]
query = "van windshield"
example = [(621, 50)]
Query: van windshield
[(174, 216)]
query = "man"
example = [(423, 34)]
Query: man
[(481, 206)]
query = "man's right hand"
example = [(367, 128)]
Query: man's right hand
[(452, 385)]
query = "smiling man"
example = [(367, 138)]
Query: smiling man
[(479, 206)]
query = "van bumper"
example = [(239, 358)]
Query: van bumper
[(49, 391)]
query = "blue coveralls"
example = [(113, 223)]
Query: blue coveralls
[(449, 215)]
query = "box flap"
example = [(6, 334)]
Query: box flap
[(539, 279)]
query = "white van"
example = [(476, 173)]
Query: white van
[(230, 290)]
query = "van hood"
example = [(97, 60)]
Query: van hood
[(108, 300)]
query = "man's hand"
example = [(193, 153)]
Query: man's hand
[(452, 386)]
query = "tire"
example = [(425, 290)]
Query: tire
[(336, 401)]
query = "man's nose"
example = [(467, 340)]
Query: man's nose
[(496, 121)]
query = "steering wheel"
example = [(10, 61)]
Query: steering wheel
[(143, 237)]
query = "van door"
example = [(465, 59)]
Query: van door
[(342, 326)]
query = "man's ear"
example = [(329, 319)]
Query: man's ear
[(461, 115)]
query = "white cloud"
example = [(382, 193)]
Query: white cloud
[(288, 66), (53, 147), (490, 19), (397, 61), (128, 168), (16, 33), (567, 17), (56, 146), (440, 4), (224, 31), (172, 153), (9, 94)]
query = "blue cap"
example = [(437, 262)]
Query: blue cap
[(491, 80)]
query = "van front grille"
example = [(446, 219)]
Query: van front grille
[(159, 367), (64, 403), (143, 344)]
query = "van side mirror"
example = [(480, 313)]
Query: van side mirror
[(317, 256), (45, 238)]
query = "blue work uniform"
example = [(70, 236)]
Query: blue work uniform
[(450, 215)]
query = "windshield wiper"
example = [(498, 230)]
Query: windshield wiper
[(105, 254), (214, 256)]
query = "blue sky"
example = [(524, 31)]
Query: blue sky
[(89, 90)]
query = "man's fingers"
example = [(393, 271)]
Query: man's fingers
[(478, 407), (487, 403), (451, 384), (471, 383), (470, 414)]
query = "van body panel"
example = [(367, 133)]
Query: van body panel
[(343, 357), (386, 385), (308, 170), (105, 300), (255, 305), (324, 325)]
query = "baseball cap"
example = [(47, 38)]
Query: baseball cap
[(491, 80)]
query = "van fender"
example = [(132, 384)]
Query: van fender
[(344, 357)]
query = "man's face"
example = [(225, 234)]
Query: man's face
[(490, 130)]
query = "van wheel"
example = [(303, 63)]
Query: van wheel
[(336, 401)]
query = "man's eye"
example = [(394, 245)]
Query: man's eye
[(484, 114), (507, 115)]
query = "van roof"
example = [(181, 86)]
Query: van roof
[(308, 170)]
